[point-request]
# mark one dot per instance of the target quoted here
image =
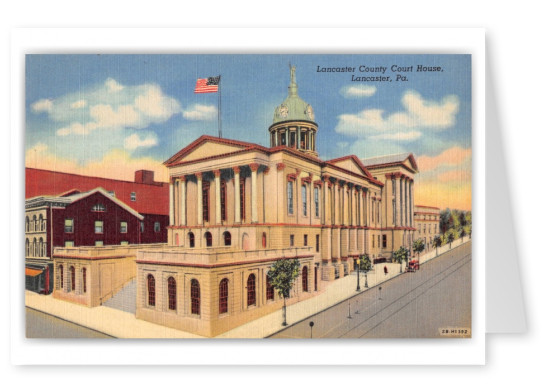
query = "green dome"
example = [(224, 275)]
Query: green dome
[(293, 107)]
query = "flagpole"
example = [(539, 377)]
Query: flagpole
[(219, 106)]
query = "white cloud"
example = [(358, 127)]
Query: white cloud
[(358, 91), (42, 105), (134, 141), (154, 104), (111, 106), (200, 113), (113, 86), (79, 104), (75, 128), (418, 115), (405, 136)]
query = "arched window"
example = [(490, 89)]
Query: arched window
[(34, 223), (269, 289), (227, 238), (195, 297), (27, 224), (34, 249), (151, 290), (60, 267), (251, 290), (72, 271), (98, 208), (263, 239), (191, 239), (223, 296), (40, 223), (84, 280), (40, 247), (171, 293), (208, 239), (27, 247), (305, 279)]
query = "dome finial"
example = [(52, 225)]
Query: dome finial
[(293, 88)]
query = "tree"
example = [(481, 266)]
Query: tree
[(401, 255), (437, 242), (418, 247), (450, 237), (365, 265), (469, 230), (462, 233), (282, 275)]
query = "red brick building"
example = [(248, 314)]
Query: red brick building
[(63, 210)]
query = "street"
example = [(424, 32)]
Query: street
[(41, 325), (412, 305)]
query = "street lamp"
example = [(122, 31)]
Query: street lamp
[(358, 285)]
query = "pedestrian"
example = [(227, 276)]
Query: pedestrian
[(386, 270)]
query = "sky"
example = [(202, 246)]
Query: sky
[(110, 115)]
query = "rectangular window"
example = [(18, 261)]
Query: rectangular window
[(124, 227), (206, 188), (394, 212), (305, 240), (99, 243), (304, 201), (69, 243), (157, 227), (242, 193), (384, 241), (317, 201), (98, 227), (290, 198), (223, 200), (69, 226), (292, 240), (142, 226), (317, 243), (379, 241), (111, 193), (133, 196), (372, 240), (124, 243)]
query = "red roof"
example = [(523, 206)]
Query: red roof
[(150, 198)]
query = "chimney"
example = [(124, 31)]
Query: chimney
[(144, 176)]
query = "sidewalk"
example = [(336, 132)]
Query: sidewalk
[(336, 292), (116, 323)]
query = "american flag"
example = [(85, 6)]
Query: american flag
[(210, 84)]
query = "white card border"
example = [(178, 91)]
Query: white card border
[(215, 352)]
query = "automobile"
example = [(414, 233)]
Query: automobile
[(413, 265)]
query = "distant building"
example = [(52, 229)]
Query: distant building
[(427, 224), (67, 210)]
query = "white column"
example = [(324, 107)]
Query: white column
[(254, 191), (217, 197), (171, 202), (199, 198), (183, 210), (237, 195)]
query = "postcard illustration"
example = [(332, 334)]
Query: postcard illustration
[(248, 196)]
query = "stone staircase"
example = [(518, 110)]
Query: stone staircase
[(125, 299)]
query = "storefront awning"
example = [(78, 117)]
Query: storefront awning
[(32, 272)]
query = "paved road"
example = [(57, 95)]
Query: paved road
[(41, 325), (412, 305)]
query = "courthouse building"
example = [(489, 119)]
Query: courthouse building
[(236, 207)]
